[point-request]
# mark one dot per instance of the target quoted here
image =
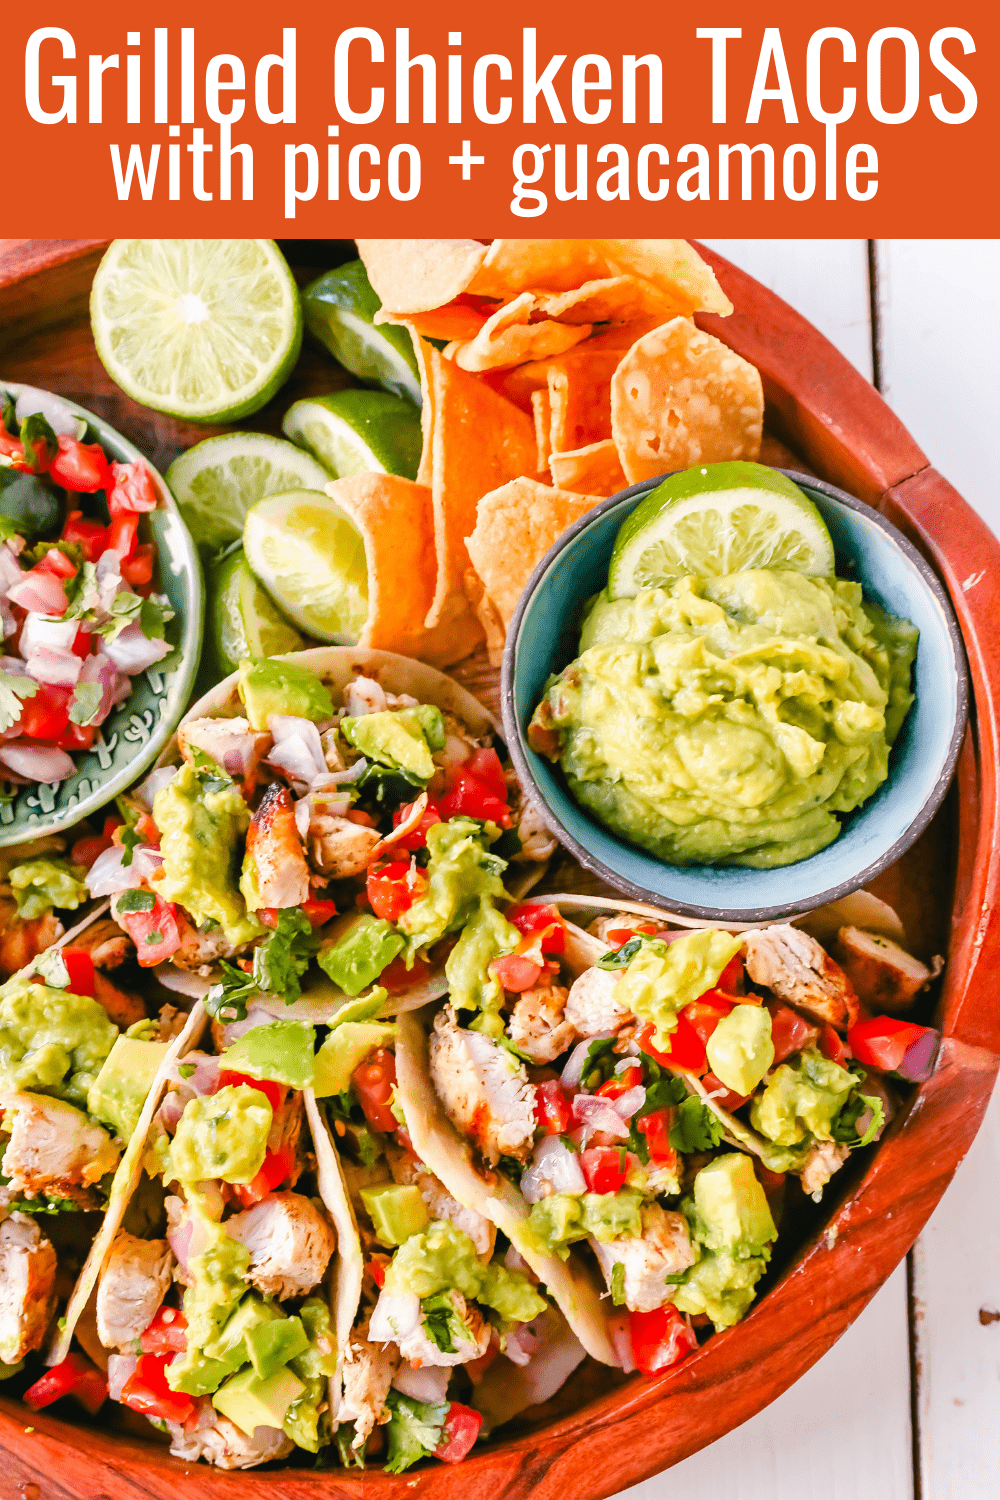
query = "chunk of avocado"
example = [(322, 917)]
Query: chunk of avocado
[(392, 739), (250, 1402), (278, 687), (282, 1052), (429, 720), (271, 1345), (346, 1047), (230, 1347), (732, 1207), (119, 1091), (740, 1049), (397, 1210), (367, 946)]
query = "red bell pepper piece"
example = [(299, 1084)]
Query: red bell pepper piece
[(529, 919), (686, 1051), (166, 1334), (80, 968), (656, 1128), (146, 1390), (460, 1430), (660, 1339), (883, 1041), (373, 1081), (417, 837), (604, 1168), (553, 1108), (75, 1377)]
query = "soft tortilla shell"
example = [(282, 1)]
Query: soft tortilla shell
[(349, 1262)]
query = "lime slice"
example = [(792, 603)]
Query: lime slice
[(339, 308), (357, 432), (310, 557), (717, 519), (245, 621), (216, 482), (204, 330)]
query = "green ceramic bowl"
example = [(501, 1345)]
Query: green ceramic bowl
[(135, 733)]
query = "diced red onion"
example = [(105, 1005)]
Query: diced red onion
[(524, 1341), (239, 756), (256, 1016), (428, 1383), (621, 1341), (41, 630), (394, 1318), (920, 1058), (333, 804), (154, 782), (573, 1071), (53, 665), (121, 689), (39, 593), (554, 1169), (37, 762), (295, 756), (99, 669), (7, 619), (205, 1078), (107, 875), (11, 571), (190, 1237), (120, 1369), (631, 1101), (598, 1115), (289, 727), (339, 778), (132, 652), (170, 1111), (58, 415)]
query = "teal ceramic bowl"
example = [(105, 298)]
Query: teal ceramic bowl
[(543, 638), (135, 733)]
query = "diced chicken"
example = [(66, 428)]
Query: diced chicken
[(290, 1243), (825, 1158), (27, 1286), (231, 743), (368, 1372), (470, 1335), (797, 969), (663, 1249), (537, 843), (364, 696), (274, 866), (538, 1024), (886, 977), (340, 848), (406, 1168), (591, 1007), (200, 951), (124, 1007), (222, 1443), (484, 1090), (53, 1148), (21, 941), (133, 1283), (285, 1134), (107, 945)]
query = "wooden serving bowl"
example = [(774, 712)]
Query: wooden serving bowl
[(602, 1432)]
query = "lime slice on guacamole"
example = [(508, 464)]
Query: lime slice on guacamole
[(716, 519), (339, 310), (216, 482), (358, 432), (310, 557), (245, 621)]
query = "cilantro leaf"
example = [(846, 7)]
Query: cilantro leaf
[(227, 1000), (414, 1430), (438, 1313), (599, 1063), (283, 957), (12, 691), (8, 413), (618, 1284), (210, 774), (40, 443), (845, 1128), (87, 699), (695, 1127), (72, 550), (136, 900), (621, 957)]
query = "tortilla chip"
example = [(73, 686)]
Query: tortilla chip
[(671, 266), (515, 527), (618, 299), (479, 442), (510, 338), (488, 616), (413, 276), (622, 336), (674, 266), (541, 410), (396, 520), (594, 470), (681, 397), (460, 320), (580, 398)]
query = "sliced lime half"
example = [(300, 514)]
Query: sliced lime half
[(717, 519), (216, 482), (244, 619), (339, 310), (310, 557), (358, 432)]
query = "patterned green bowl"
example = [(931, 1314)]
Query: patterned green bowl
[(135, 733)]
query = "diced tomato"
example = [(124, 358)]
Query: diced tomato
[(122, 534), (76, 737), (528, 918), (86, 850), (81, 467), (377, 1267), (628, 1078), (147, 829), (476, 1368), (773, 1183), (167, 1334), (686, 1051), (705, 1014), (57, 563), (392, 890), (417, 837), (155, 933), (363, 819), (516, 973), (269, 915), (472, 796), (373, 1081), (396, 977), (485, 766), (726, 1097), (132, 488), (833, 1046), (10, 447), (90, 536), (75, 1377), (656, 1128), (276, 1168), (553, 1108), (790, 1032), (146, 1390), (660, 1339), (319, 912), (45, 715), (137, 570), (731, 980), (460, 1430), (82, 643), (882, 1041), (80, 968), (604, 1168), (619, 936)]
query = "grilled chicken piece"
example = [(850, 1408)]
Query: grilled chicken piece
[(364, 696), (537, 843), (591, 1007), (124, 1007), (484, 1090), (368, 1371), (538, 1024), (222, 1443), (663, 1249), (27, 1286), (275, 872), (290, 1244), (53, 1147), (231, 743), (21, 941), (133, 1283), (406, 1168), (340, 848), (398, 1319), (199, 951), (825, 1158), (107, 945), (798, 970), (885, 976)]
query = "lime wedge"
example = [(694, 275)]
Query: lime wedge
[(310, 557), (216, 482), (717, 519), (244, 620), (358, 432), (204, 330), (339, 308)]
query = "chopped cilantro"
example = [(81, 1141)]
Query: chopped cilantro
[(621, 957), (845, 1126), (12, 691), (227, 1000), (414, 1430), (283, 957), (210, 774), (87, 698), (186, 1070), (695, 1127), (154, 937), (136, 900), (618, 1284), (37, 434)]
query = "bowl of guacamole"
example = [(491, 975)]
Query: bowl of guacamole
[(744, 744)]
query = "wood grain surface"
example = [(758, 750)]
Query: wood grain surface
[(602, 1432)]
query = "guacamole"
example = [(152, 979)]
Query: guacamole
[(201, 837), (52, 1041), (222, 1135), (728, 720), (443, 1258)]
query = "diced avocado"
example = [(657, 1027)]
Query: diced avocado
[(119, 1091), (612, 1216), (7, 1371), (250, 1402), (740, 1049), (367, 946), (368, 1008), (281, 1052), (732, 1207), (662, 978), (397, 1210), (279, 687), (346, 1047), (393, 740), (231, 1346), (222, 1135), (271, 1345), (428, 719), (720, 1286)]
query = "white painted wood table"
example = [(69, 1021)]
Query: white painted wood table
[(907, 1405)]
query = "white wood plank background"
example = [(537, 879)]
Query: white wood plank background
[(844, 1430)]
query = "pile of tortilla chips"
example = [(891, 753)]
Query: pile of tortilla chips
[(571, 369)]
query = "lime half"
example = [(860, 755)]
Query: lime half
[(717, 519), (216, 482), (205, 330), (310, 557), (245, 621), (339, 309), (358, 432)]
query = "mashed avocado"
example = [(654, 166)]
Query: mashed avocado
[(217, 1283), (460, 870), (721, 1286), (41, 884), (51, 1041), (727, 720), (560, 1219), (444, 1259), (486, 935), (201, 837), (304, 1423), (222, 1136), (664, 977), (802, 1100)]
